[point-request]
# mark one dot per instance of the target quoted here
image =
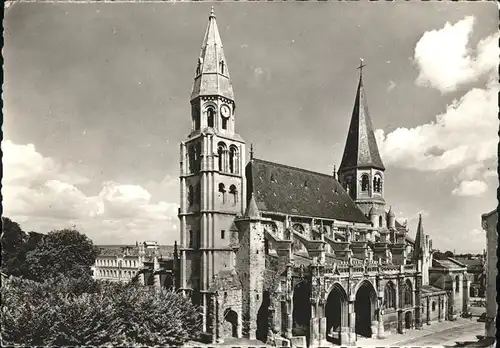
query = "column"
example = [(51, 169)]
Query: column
[(399, 304), (428, 312), (440, 308), (313, 326), (380, 333), (289, 303), (418, 305), (322, 324), (351, 333), (465, 297)]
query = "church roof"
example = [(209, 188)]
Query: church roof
[(278, 188), (212, 74), (429, 289), (361, 148), (448, 263), (419, 238)]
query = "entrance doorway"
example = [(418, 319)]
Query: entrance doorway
[(365, 309), (230, 323), (409, 319), (263, 317), (301, 309), (336, 314)]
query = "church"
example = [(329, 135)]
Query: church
[(274, 252)]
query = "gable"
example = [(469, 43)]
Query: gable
[(287, 190)]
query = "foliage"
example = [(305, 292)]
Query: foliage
[(71, 312), (442, 256), (65, 252), (13, 240)]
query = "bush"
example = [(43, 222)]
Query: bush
[(85, 312)]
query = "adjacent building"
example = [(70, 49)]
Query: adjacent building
[(489, 224), (147, 262), (267, 247)]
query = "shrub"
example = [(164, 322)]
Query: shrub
[(77, 312)]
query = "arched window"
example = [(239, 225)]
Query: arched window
[(377, 184), (190, 239), (210, 116), (408, 293), (433, 306), (190, 195), (233, 160), (234, 194), (221, 151), (224, 122), (380, 221), (222, 191), (457, 284), (390, 295), (365, 183)]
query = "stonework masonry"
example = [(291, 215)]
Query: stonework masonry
[(283, 254)]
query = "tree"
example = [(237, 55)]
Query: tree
[(13, 239), (65, 252)]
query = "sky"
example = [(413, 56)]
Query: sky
[(96, 102)]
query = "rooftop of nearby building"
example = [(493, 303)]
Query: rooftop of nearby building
[(448, 263), (132, 250)]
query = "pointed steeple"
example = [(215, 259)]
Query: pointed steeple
[(361, 150), (252, 209), (419, 239), (212, 75)]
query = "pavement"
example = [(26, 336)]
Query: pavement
[(460, 333)]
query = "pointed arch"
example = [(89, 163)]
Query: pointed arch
[(336, 312), (408, 293), (190, 195), (364, 307), (377, 183), (390, 295), (301, 313)]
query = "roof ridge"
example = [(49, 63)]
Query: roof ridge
[(294, 168)]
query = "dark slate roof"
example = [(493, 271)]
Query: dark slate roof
[(278, 188), (448, 263), (361, 148)]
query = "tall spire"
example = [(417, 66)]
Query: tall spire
[(419, 239), (361, 148), (212, 75)]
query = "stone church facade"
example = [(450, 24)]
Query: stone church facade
[(271, 251)]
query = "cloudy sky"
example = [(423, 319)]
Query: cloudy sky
[(96, 101)]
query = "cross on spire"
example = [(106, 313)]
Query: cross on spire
[(212, 13), (361, 66), (251, 151)]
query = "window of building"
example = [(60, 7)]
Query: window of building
[(233, 160), (197, 193), (224, 122), (408, 293), (377, 184), (222, 191), (222, 65), (210, 116), (390, 295), (433, 306), (190, 238), (222, 234), (234, 194), (365, 183), (380, 221), (457, 284), (221, 151)]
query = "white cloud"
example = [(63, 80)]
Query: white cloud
[(466, 134), (470, 188), (42, 196), (446, 61)]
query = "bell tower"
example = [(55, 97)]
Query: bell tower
[(361, 171), (212, 187)]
